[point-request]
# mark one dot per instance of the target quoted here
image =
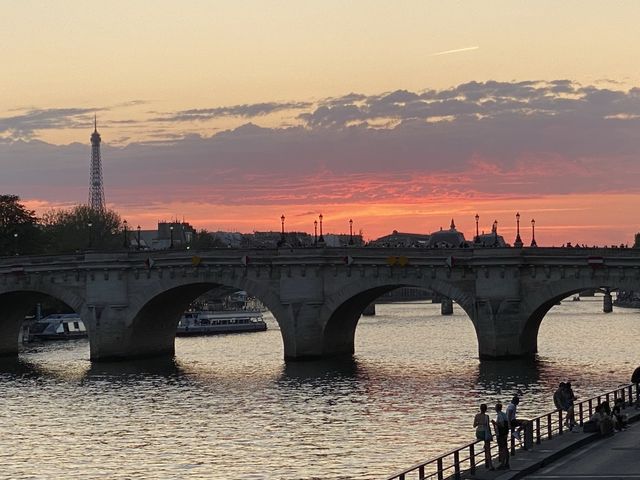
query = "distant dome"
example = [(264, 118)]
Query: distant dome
[(451, 238)]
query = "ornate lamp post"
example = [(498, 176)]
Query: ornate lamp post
[(315, 232), (321, 238), (90, 225), (350, 231), (494, 230), (15, 241), (282, 231), (138, 247), (477, 231), (533, 233), (171, 236), (518, 241), (125, 243)]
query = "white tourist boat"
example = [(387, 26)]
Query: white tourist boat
[(220, 321), (58, 326)]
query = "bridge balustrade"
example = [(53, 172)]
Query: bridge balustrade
[(470, 456)]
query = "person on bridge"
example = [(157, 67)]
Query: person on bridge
[(501, 427), (483, 432)]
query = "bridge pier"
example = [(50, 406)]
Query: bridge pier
[(503, 330), (446, 306), (607, 305)]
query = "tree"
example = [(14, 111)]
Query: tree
[(19, 232), (204, 240), (82, 228)]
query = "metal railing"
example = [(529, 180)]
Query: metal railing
[(470, 456)]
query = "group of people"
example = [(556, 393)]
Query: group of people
[(606, 419), (504, 423)]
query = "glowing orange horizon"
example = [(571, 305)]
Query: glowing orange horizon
[(584, 219)]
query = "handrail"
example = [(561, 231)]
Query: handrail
[(544, 426)]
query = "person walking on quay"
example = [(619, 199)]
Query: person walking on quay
[(501, 427), (483, 432)]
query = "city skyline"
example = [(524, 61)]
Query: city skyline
[(400, 118)]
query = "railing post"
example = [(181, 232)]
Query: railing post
[(549, 432), (630, 395), (472, 458), (421, 472), (440, 472), (559, 422), (538, 433), (456, 464), (401, 477), (590, 408), (580, 413), (528, 435), (513, 445)]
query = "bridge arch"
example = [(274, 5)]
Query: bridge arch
[(153, 314), (541, 300), (341, 311), (18, 300)]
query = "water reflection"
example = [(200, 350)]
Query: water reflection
[(321, 371), (17, 367), (167, 367), (495, 375)]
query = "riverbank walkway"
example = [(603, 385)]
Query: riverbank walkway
[(553, 452)]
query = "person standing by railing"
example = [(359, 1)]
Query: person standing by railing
[(569, 399), (501, 427), (483, 432)]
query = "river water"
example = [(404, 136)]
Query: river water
[(228, 406)]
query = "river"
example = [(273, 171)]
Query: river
[(229, 407)]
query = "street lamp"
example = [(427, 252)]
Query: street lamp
[(495, 232), (477, 231), (124, 241), (282, 231), (315, 232), (90, 225), (171, 236), (138, 247), (321, 238), (350, 232), (533, 233), (518, 241), (15, 241)]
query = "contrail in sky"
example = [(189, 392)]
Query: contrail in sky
[(446, 52)]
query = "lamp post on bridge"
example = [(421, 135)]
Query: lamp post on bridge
[(171, 236), (15, 241), (90, 225), (282, 231), (518, 241), (125, 243), (315, 232), (321, 237), (138, 246), (350, 231), (533, 233), (477, 230)]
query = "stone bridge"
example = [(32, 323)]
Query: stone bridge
[(131, 302)]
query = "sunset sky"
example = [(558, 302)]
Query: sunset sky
[(399, 115)]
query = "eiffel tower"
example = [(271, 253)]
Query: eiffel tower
[(96, 189)]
